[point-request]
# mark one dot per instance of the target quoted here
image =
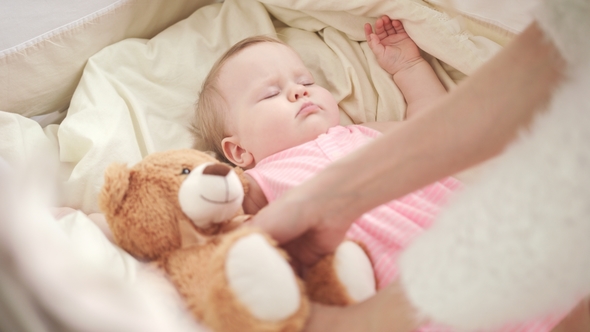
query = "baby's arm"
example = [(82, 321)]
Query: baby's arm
[(254, 200), (397, 53)]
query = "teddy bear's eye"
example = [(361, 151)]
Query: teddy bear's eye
[(185, 171)]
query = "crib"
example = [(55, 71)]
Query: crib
[(85, 84)]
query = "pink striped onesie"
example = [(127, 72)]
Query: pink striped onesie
[(386, 230)]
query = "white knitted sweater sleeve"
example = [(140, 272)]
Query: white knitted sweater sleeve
[(516, 244)]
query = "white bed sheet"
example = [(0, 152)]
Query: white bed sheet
[(64, 275)]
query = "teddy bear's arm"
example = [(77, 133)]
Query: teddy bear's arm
[(342, 278)]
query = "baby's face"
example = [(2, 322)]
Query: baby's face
[(273, 101)]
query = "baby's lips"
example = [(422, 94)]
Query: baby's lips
[(307, 108)]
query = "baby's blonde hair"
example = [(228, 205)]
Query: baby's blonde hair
[(211, 108)]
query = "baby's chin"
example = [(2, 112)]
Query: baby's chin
[(285, 145), (320, 129), (306, 134)]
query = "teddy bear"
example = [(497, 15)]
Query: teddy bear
[(182, 209)]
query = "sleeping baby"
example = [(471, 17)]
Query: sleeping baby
[(260, 109)]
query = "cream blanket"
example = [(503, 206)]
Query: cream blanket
[(137, 96)]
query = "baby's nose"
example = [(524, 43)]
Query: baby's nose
[(299, 91)]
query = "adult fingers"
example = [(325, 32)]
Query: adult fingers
[(316, 242), (281, 221)]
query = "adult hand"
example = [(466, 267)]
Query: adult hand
[(309, 221), (305, 234), (389, 310)]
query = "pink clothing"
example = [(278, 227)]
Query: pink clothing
[(385, 230)]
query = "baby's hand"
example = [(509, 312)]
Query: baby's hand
[(392, 46)]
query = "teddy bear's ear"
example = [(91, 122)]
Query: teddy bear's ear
[(116, 183)]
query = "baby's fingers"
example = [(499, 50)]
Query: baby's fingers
[(381, 27), (368, 31), (388, 27), (374, 43), (398, 26), (372, 39)]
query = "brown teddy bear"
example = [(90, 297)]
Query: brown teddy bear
[(182, 209)]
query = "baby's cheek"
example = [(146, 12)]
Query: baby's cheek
[(332, 107)]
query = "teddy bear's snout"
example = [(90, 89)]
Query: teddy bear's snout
[(217, 169), (211, 193)]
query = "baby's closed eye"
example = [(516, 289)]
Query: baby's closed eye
[(271, 94), (305, 80)]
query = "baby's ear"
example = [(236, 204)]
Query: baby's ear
[(235, 153), (116, 183)]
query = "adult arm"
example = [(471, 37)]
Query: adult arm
[(387, 311), (472, 123)]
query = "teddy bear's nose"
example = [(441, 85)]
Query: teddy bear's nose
[(217, 169)]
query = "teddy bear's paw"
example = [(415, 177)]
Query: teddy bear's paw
[(262, 279), (354, 270)]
